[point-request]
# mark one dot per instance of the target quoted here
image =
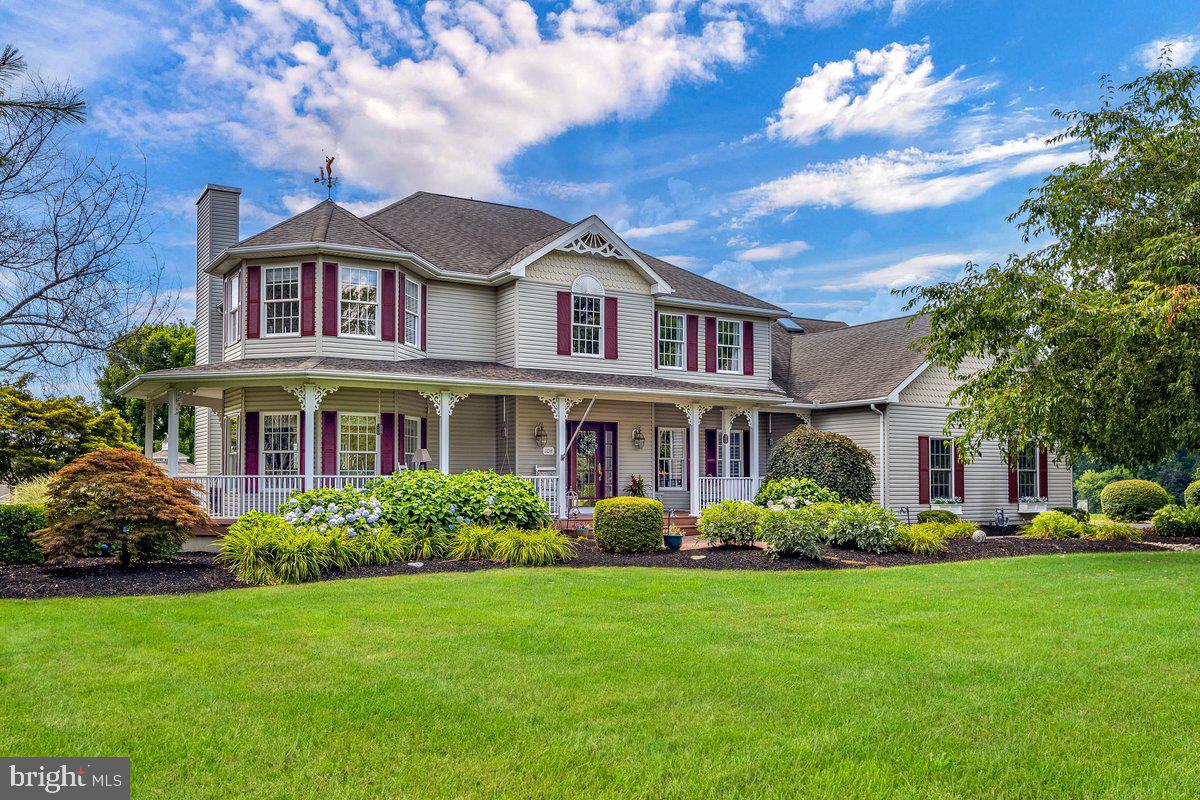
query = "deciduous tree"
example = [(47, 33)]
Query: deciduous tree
[(145, 349)]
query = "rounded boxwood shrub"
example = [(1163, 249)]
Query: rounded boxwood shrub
[(17, 525), (628, 524), (829, 459), (937, 515), (1133, 500), (731, 522), (1191, 495), (793, 493)]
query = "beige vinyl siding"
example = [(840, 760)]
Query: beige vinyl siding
[(462, 322), (207, 456), (216, 228), (506, 433), (933, 386), (985, 479), (772, 428), (762, 351), (860, 425), (563, 268), (506, 323)]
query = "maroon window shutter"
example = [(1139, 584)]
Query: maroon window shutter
[(329, 443), (564, 323), (387, 305), (693, 342), (747, 347), (1043, 472), (387, 443), (308, 299), (401, 456), (959, 479), (1014, 492), (253, 294), (251, 443), (745, 454), (402, 333), (610, 327), (654, 354), (424, 313), (710, 344), (657, 464), (329, 299), (710, 453), (922, 469)]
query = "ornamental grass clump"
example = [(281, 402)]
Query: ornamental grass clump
[(1112, 532), (120, 501), (473, 543), (537, 548), (250, 548), (378, 546), (924, 538), (1055, 525), (729, 522)]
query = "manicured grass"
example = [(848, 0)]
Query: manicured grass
[(1034, 677)]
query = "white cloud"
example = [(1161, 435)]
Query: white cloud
[(904, 180), (910, 271), (675, 226), (772, 252), (1183, 51), (566, 190), (745, 277), (892, 90), (687, 262), (813, 12)]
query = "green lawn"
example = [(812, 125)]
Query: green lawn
[(1037, 677)]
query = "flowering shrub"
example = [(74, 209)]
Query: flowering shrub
[(731, 522), (430, 500), (793, 493), (326, 510)]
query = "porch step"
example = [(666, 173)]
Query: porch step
[(685, 522)]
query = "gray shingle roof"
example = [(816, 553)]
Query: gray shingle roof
[(452, 368), (469, 236), (859, 362)]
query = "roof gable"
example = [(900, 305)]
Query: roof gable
[(325, 222), (859, 362)]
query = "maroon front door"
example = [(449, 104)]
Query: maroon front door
[(591, 461)]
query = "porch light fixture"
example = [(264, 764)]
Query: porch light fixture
[(539, 435), (639, 439)]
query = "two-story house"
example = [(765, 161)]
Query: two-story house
[(454, 334)]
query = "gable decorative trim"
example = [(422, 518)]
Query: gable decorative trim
[(592, 244)]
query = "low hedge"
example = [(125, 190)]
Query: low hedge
[(17, 524), (1133, 500), (1173, 520), (628, 524), (937, 515)]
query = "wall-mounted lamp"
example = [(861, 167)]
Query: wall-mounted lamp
[(539, 435), (639, 439)]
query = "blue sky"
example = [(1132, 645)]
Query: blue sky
[(817, 153)]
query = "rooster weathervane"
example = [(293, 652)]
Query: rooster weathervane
[(327, 177)]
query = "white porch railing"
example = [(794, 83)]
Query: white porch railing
[(714, 490), (230, 496), (342, 481), (546, 487)]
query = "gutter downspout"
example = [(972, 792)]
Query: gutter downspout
[(883, 493)]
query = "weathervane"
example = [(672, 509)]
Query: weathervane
[(327, 177)]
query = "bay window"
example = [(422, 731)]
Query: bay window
[(281, 301), (671, 344), (280, 444), (357, 442), (671, 458), (729, 345), (359, 302)]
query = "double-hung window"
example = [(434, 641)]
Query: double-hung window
[(280, 444), (412, 312), (586, 313), (729, 345), (232, 465), (281, 301), (359, 295), (233, 309), (941, 469), (671, 458), (671, 343), (736, 451), (1027, 472), (412, 441), (356, 444)]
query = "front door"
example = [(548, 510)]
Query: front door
[(591, 462)]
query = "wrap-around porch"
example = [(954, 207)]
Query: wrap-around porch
[(257, 444)]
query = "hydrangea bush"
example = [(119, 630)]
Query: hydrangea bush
[(327, 510), (793, 493)]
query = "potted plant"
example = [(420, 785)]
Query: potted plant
[(673, 538), (1033, 505), (636, 487), (951, 504)]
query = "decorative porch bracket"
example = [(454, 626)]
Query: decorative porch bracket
[(443, 403), (560, 407), (310, 396), (694, 413)]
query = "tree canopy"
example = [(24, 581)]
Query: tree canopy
[(39, 436), (1091, 340), (145, 349)]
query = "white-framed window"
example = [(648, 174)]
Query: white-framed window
[(281, 301), (280, 450), (672, 341), (586, 324), (737, 444), (941, 469), (359, 302), (729, 345), (412, 441), (671, 458), (232, 463), (233, 308), (1027, 473), (412, 312), (357, 444)]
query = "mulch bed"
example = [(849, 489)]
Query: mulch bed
[(197, 572)]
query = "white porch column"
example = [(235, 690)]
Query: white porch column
[(752, 417), (310, 396), (148, 430), (694, 412), (172, 431), (560, 407), (443, 403)]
